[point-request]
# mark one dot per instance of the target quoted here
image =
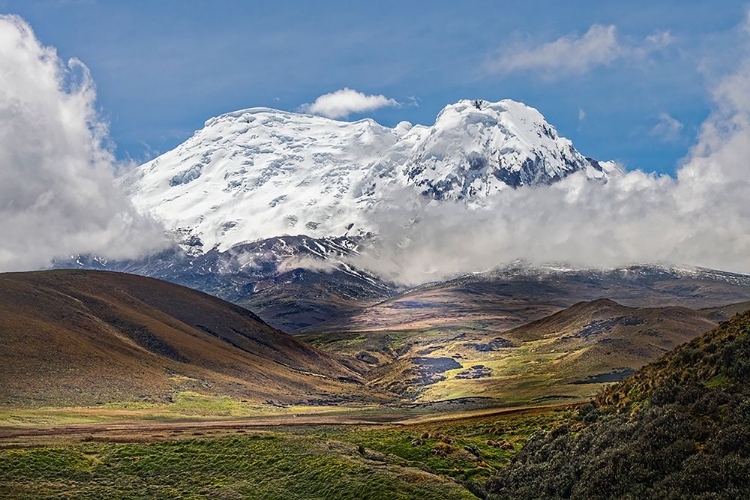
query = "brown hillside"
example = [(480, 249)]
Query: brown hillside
[(87, 337)]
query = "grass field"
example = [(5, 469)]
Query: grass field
[(443, 459), (187, 407)]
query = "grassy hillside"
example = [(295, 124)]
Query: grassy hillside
[(89, 337), (678, 428), (259, 466), (602, 338)]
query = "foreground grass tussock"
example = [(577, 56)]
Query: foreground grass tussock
[(261, 466), (444, 460)]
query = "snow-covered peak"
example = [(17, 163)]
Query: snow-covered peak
[(477, 148), (359, 137), (260, 173)]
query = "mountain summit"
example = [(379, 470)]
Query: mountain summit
[(260, 173), (476, 148)]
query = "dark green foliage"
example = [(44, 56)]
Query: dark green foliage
[(679, 428)]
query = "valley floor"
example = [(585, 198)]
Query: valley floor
[(354, 454)]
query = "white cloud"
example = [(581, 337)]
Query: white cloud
[(573, 54), (57, 196), (581, 115), (658, 41), (668, 129), (342, 103), (700, 217)]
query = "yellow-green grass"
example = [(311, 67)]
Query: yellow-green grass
[(186, 405), (519, 376)]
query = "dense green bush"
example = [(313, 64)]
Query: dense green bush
[(679, 428)]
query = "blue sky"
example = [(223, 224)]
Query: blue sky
[(163, 68)]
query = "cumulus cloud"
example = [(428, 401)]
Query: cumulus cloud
[(668, 129), (342, 103), (57, 196), (573, 54), (699, 217)]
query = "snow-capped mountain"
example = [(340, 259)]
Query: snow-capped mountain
[(271, 207), (260, 173)]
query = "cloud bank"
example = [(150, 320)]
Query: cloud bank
[(57, 196), (573, 54), (344, 102), (700, 217)]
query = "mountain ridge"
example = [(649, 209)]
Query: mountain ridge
[(510, 296)]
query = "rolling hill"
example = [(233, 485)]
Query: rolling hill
[(90, 337), (602, 335), (568, 355)]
